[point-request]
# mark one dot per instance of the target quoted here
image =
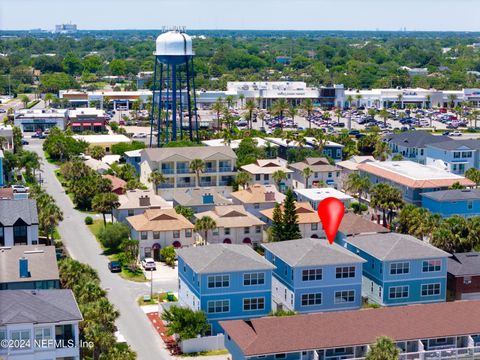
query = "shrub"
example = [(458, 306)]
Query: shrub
[(358, 208), (168, 255), (88, 220), (113, 235)]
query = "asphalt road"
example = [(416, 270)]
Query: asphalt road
[(82, 246)]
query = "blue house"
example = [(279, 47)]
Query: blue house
[(400, 269), (225, 281), (311, 275), (464, 202), (2, 176), (458, 156), (134, 157)]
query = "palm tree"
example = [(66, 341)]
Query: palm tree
[(400, 100), (278, 176), (230, 100), (156, 178), (319, 139), (384, 114), (338, 114), (358, 97), (25, 100), (241, 97), (48, 98), (218, 107), (261, 116), (474, 175), (50, 216), (243, 178), (395, 108), (205, 224), (383, 349), (250, 107), (358, 184), (429, 99), (307, 173), (279, 107), (197, 166), (327, 117), (452, 98), (3, 142), (307, 106), (292, 112), (106, 103), (104, 203), (382, 150), (386, 198), (350, 100)]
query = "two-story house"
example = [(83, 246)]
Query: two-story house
[(224, 281), (134, 158), (18, 222), (29, 267), (464, 276), (257, 197), (316, 196), (235, 225), (199, 199), (40, 324), (412, 144), (463, 202), (261, 172), (308, 221), (158, 228), (457, 155), (174, 163), (400, 269), (330, 149), (322, 173), (311, 275), (135, 202)]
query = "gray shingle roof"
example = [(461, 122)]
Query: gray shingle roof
[(472, 144), (194, 152), (311, 252), (464, 264), (219, 258), (453, 195), (42, 263), (12, 210), (393, 246), (417, 139), (38, 306)]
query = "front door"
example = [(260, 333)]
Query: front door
[(156, 254)]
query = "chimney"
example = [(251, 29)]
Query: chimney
[(23, 267), (269, 196), (144, 200)]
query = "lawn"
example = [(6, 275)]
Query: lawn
[(207, 353), (126, 273)]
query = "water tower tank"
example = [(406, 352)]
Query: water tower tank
[(174, 43)]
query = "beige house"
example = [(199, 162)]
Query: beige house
[(135, 202), (158, 228), (105, 141), (262, 171), (235, 225), (322, 172), (200, 199), (257, 197), (174, 163), (308, 220)]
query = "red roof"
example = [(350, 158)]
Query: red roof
[(271, 335), (117, 183)]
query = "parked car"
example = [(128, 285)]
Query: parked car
[(149, 264), (455, 133), (24, 142), (140, 135), (2, 111), (115, 266), (354, 132), (19, 189)]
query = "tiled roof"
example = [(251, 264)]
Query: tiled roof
[(12, 210), (189, 153), (453, 195), (273, 335), (266, 166), (131, 200), (194, 197), (159, 220), (117, 183), (218, 258), (464, 264), (256, 194), (305, 212), (231, 216), (353, 224), (310, 252)]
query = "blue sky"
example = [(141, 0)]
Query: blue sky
[(417, 15)]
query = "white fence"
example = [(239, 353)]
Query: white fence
[(206, 343), (472, 353)]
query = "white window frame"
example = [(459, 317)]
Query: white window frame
[(398, 268), (254, 304), (311, 299), (312, 274), (428, 265), (398, 297), (215, 306), (254, 279), (218, 279), (428, 290), (345, 270), (341, 294)]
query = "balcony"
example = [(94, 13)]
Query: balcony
[(183, 170), (226, 169), (207, 183), (166, 186), (185, 185), (167, 171), (210, 170)]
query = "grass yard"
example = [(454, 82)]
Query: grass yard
[(207, 353)]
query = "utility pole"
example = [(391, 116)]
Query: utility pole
[(151, 284)]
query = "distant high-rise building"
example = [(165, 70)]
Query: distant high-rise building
[(66, 28)]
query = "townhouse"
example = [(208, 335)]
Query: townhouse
[(463, 202), (311, 275), (158, 228), (456, 155), (331, 149), (308, 221), (134, 158), (315, 196), (225, 281), (463, 280), (174, 163), (322, 173), (261, 172), (18, 222), (29, 267), (235, 225), (257, 197), (411, 178), (44, 322), (400, 269), (135, 202), (199, 199), (445, 330)]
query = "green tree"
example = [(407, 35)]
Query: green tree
[(168, 254), (49, 97), (205, 224), (218, 107), (386, 198), (250, 106), (118, 67), (197, 166), (474, 175), (57, 81), (383, 349), (25, 100), (156, 178), (276, 230), (307, 173), (278, 176), (186, 211), (358, 184), (291, 230), (104, 203), (97, 152), (185, 322), (307, 106), (457, 186), (243, 178), (113, 235), (382, 150)]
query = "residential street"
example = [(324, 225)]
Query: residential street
[(82, 246)]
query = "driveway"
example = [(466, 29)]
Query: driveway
[(82, 246)]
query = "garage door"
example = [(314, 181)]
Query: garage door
[(471, 296)]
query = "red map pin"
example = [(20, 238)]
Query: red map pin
[(330, 212)]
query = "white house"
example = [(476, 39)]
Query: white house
[(315, 196), (18, 222)]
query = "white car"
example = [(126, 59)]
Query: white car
[(455, 133), (139, 135), (149, 264), (19, 189)]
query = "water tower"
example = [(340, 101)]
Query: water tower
[(174, 88)]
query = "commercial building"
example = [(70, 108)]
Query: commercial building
[(463, 202), (400, 269), (411, 178), (119, 100), (463, 281), (44, 322), (330, 148), (105, 141), (315, 196), (18, 222), (31, 120), (425, 331), (225, 281), (87, 119), (311, 275)]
